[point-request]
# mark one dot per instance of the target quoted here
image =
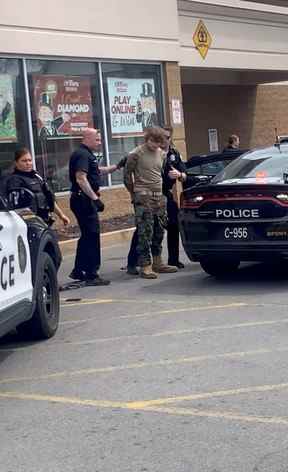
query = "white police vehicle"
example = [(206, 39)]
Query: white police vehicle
[(29, 261)]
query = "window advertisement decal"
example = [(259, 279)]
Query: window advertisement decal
[(132, 106), (7, 109), (63, 105)]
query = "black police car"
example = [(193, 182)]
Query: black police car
[(211, 164), (29, 261), (241, 214)]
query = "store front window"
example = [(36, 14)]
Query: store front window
[(13, 122), (133, 102), (65, 99)]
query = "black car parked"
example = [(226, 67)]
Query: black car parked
[(241, 214), (211, 164)]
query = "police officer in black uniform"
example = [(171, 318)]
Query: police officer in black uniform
[(85, 203), (24, 176), (173, 161)]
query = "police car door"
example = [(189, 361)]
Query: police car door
[(15, 264)]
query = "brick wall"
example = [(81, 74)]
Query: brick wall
[(172, 85), (229, 109), (117, 203), (270, 113), (251, 112)]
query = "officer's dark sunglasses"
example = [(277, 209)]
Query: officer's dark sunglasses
[(167, 137)]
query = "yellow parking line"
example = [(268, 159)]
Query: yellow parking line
[(144, 407), (221, 415), (142, 365), (73, 322), (65, 302), (95, 301), (188, 308), (200, 329), (180, 332), (92, 301), (64, 400), (208, 395)]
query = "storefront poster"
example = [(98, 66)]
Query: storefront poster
[(132, 106), (63, 105), (7, 109), (213, 140)]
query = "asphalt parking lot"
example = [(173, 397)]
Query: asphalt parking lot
[(182, 374)]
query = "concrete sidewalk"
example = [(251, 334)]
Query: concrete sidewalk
[(107, 239), (114, 253)]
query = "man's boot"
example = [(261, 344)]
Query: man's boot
[(161, 268), (146, 272)]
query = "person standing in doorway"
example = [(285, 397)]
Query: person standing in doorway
[(233, 143), (85, 203), (143, 180)]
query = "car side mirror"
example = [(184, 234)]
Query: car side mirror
[(194, 180), (20, 198), (204, 179)]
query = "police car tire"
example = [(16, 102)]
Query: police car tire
[(219, 267), (44, 325)]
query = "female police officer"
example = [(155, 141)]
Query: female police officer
[(24, 176)]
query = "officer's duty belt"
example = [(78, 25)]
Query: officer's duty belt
[(81, 193), (150, 193)]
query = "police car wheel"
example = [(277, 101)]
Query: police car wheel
[(219, 267), (45, 320)]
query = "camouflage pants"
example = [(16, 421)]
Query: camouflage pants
[(151, 220)]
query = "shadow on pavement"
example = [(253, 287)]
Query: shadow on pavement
[(248, 280), (11, 341)]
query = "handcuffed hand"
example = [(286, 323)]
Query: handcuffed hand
[(65, 220), (174, 174), (99, 205), (122, 163)]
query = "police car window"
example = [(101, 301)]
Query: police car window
[(212, 168), (269, 163), (196, 170)]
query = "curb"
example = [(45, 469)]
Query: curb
[(68, 247)]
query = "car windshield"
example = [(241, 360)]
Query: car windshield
[(260, 165)]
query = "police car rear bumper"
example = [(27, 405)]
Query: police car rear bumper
[(253, 252), (264, 240)]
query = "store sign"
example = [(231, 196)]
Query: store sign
[(132, 106), (202, 39), (7, 109), (176, 111), (63, 105)]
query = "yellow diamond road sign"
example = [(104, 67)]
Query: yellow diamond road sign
[(202, 39)]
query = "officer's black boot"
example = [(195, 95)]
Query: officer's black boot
[(95, 280)]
